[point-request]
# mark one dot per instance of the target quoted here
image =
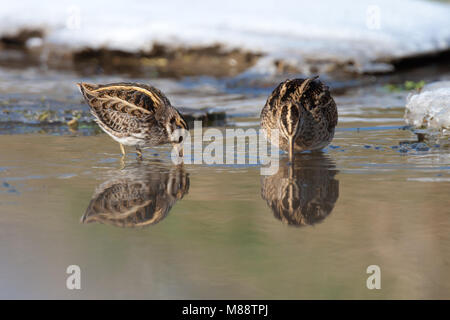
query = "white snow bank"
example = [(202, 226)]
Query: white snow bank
[(361, 31), (430, 108)]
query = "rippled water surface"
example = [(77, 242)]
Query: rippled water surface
[(150, 229)]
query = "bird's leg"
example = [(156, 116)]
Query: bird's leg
[(122, 149), (122, 163), (139, 153), (122, 159)]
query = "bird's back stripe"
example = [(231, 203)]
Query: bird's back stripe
[(155, 99)]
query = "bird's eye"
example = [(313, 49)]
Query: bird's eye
[(180, 139)]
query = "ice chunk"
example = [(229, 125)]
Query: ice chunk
[(430, 108)]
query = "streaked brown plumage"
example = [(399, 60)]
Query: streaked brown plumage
[(134, 114), (137, 197), (303, 192), (303, 112)]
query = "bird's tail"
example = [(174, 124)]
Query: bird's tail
[(304, 86), (86, 89)]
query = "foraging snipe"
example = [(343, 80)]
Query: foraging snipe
[(138, 196), (302, 192), (134, 114), (303, 112)]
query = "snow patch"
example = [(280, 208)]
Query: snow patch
[(430, 109), (346, 30)]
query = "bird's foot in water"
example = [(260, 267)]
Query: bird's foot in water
[(139, 154)]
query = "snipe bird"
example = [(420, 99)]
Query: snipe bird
[(303, 112), (135, 114)]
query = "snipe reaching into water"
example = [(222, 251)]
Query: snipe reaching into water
[(134, 114), (303, 112)]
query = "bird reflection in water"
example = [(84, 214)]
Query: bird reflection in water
[(304, 192), (137, 197)]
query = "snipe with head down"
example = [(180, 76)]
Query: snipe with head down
[(134, 114), (303, 112)]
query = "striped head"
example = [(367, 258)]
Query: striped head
[(286, 105), (176, 127), (290, 119), (177, 130)]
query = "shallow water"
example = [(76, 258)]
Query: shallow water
[(154, 230), (150, 229)]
